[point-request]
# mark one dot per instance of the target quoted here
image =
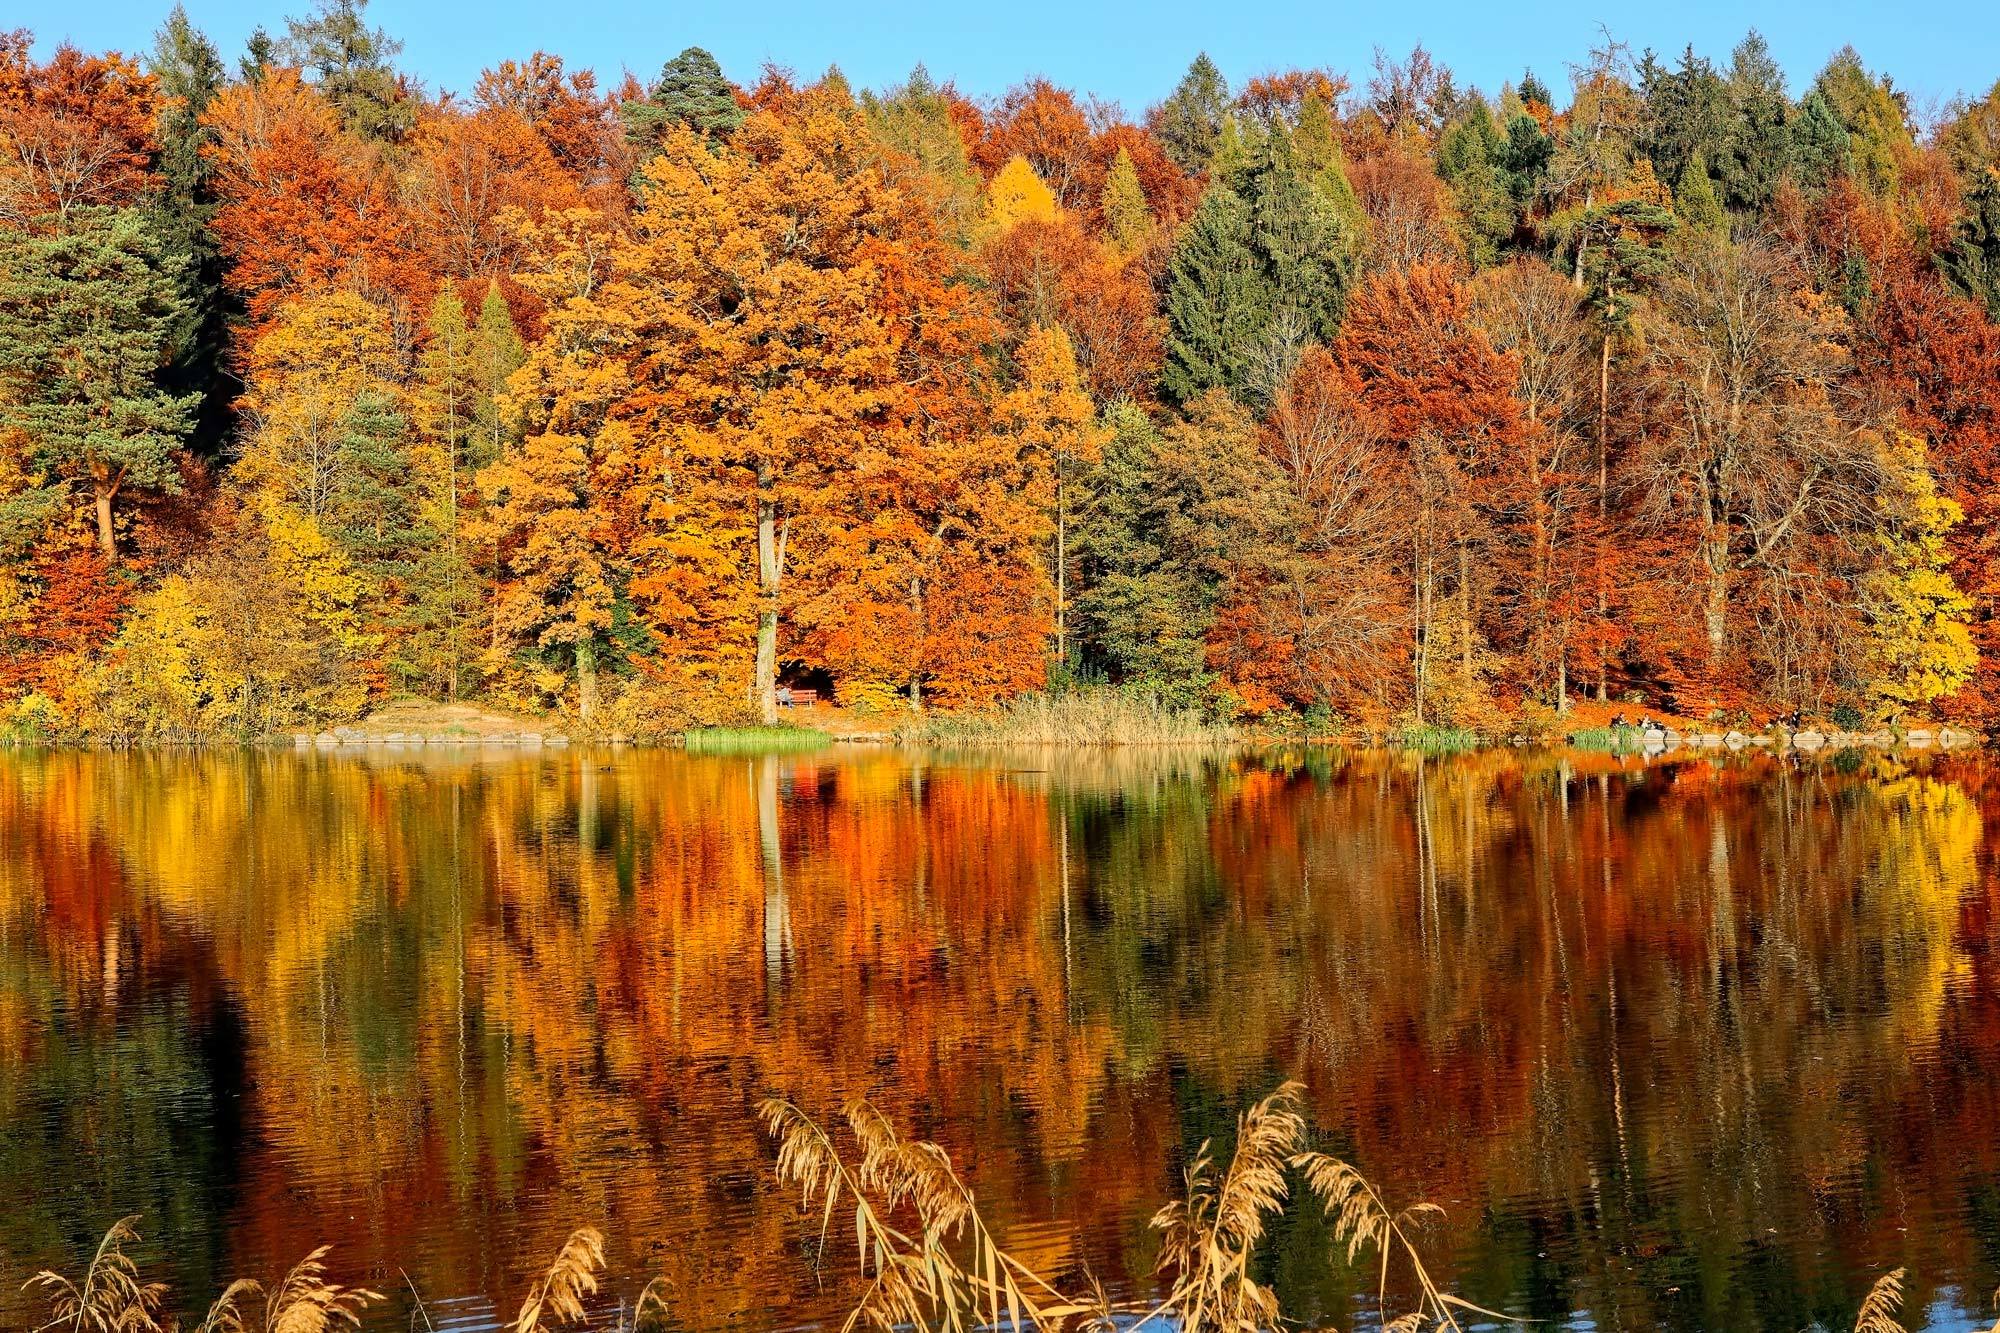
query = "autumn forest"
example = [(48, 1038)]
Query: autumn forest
[(1668, 379)]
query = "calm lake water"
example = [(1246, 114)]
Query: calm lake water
[(1694, 1045)]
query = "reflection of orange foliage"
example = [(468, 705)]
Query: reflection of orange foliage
[(487, 999)]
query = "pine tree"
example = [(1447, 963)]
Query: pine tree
[(691, 92), (1189, 122), (87, 320), (1127, 220), (1218, 301)]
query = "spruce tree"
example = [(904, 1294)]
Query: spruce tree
[(1307, 252), (1218, 301), (1758, 148), (1189, 123), (87, 321), (190, 73), (353, 66), (1972, 264), (1819, 147), (1470, 154)]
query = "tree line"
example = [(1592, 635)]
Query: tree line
[(1399, 404)]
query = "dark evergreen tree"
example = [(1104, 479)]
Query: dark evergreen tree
[(1687, 113), (1307, 249), (1758, 150), (1470, 159), (190, 73), (1167, 518), (1218, 299), (1189, 122), (1819, 145), (1972, 263)]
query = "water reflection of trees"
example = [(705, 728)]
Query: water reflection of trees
[(1687, 1045)]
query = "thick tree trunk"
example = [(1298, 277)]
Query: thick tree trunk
[(1715, 615), (106, 488)]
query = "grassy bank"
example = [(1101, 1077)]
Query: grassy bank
[(1075, 717)]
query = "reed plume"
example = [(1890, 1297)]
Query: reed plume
[(1360, 1219), (1885, 1298), (560, 1291), (915, 1279), (111, 1298), (1209, 1236), (304, 1302)]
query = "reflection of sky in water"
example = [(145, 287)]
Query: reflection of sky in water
[(1680, 1046)]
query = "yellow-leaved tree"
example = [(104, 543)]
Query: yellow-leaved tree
[(1017, 195), (1919, 637), (321, 354), (1050, 421)]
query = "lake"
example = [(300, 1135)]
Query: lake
[(1693, 1044)]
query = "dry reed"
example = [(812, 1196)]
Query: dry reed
[(1210, 1235), (915, 1279), (1885, 1298), (304, 1302), (1100, 716), (111, 1298), (570, 1277)]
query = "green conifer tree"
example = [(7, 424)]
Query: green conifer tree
[(87, 321), (1218, 300), (1189, 122)]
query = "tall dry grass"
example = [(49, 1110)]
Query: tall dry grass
[(304, 1302), (1094, 716), (110, 1298), (927, 1257)]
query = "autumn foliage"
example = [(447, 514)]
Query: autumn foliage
[(1412, 405)]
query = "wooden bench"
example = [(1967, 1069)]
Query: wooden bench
[(802, 699)]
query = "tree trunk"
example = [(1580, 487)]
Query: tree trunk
[(1062, 574), (1715, 554), (769, 571), (106, 488)]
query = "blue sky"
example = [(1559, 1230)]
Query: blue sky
[(1131, 54)]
